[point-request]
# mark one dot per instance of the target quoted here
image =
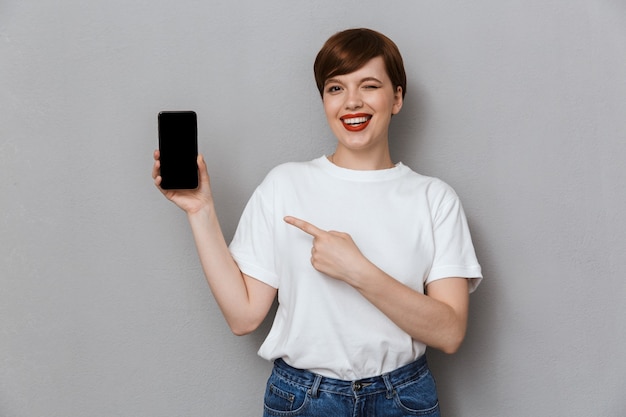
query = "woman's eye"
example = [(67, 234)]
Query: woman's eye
[(333, 89), (370, 87)]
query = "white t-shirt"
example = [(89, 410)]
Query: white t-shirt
[(409, 225)]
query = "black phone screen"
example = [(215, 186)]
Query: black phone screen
[(178, 146)]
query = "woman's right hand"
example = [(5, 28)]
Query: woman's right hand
[(191, 201)]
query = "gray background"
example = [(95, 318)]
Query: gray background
[(104, 311)]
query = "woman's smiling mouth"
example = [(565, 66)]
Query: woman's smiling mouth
[(356, 122)]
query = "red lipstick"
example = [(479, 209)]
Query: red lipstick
[(356, 122)]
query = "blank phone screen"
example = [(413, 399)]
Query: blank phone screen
[(178, 146)]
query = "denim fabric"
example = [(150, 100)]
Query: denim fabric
[(407, 391)]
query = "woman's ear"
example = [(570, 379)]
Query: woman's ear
[(398, 100)]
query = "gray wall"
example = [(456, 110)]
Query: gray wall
[(103, 308)]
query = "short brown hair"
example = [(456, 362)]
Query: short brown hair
[(351, 49)]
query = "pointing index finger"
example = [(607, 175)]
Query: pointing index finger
[(305, 226)]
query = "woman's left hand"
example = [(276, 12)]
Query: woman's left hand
[(334, 253)]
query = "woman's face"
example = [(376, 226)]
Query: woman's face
[(359, 106)]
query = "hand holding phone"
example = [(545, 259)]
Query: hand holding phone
[(178, 148)]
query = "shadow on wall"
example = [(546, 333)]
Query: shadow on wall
[(406, 130)]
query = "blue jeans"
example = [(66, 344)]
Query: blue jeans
[(407, 391)]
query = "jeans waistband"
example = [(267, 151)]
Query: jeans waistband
[(365, 386)]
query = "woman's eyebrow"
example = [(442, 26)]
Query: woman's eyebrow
[(368, 79), (363, 80)]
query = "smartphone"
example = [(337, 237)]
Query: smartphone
[(178, 146)]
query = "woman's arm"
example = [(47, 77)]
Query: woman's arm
[(244, 301), (438, 319)]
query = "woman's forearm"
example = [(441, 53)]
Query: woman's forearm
[(439, 320), (244, 301)]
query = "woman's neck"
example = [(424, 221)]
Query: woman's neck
[(361, 161)]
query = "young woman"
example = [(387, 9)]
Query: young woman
[(371, 261)]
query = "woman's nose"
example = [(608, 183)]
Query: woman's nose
[(353, 101)]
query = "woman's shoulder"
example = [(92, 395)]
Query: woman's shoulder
[(291, 169), (423, 179), (433, 187)]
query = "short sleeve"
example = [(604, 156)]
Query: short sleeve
[(252, 246), (454, 251)]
